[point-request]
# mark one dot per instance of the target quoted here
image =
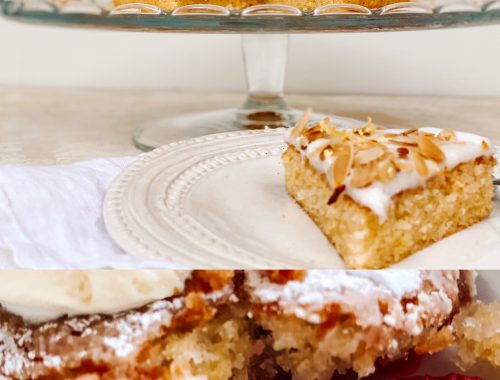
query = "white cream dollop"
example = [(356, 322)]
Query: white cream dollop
[(43, 295)]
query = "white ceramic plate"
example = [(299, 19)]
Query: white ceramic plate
[(219, 201)]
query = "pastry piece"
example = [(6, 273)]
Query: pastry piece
[(321, 322), (304, 5), (193, 332), (477, 331), (380, 195)]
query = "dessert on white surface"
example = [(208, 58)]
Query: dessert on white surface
[(379, 195)]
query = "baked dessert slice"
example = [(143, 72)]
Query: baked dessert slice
[(320, 322), (380, 195), (192, 334), (221, 325), (477, 331)]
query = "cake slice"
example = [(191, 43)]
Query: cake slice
[(194, 333), (380, 195), (322, 322)]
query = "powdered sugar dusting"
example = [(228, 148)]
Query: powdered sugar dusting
[(35, 349), (397, 281), (321, 286), (361, 293)]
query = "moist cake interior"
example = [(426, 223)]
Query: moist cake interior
[(222, 331)]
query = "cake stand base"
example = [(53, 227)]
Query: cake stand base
[(163, 131)]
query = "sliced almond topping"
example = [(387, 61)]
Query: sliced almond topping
[(403, 152), (386, 171), (404, 140), (325, 150), (367, 155), (315, 129), (363, 176), (342, 164), (301, 124), (325, 122), (314, 134), (390, 135), (447, 135), (367, 130), (428, 148), (485, 145), (336, 194), (330, 130), (409, 131), (327, 128), (420, 164)]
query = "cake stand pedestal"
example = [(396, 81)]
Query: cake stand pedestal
[(264, 30)]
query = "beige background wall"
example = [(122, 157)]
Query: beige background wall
[(450, 62)]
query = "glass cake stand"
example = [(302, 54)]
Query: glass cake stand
[(264, 29)]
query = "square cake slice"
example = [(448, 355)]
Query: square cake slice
[(379, 195)]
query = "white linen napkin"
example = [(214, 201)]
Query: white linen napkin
[(51, 217)]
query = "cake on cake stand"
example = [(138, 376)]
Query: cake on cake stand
[(265, 33)]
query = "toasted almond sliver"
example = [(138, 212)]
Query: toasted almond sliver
[(325, 122), (447, 135), (314, 135), (325, 149), (485, 145), (409, 131), (301, 124), (403, 152), (367, 130), (428, 148), (336, 194), (404, 140), (367, 155), (419, 162), (386, 171), (315, 129), (330, 130), (342, 164), (363, 176)]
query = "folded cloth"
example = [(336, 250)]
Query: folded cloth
[(51, 217)]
